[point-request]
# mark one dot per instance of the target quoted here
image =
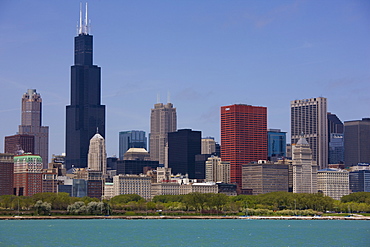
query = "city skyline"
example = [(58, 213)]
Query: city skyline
[(205, 54)]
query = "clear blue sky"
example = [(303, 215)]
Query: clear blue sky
[(206, 54)]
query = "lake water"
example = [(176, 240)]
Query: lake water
[(175, 232)]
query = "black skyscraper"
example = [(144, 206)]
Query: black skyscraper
[(183, 146), (85, 113)]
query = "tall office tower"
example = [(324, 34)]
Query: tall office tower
[(217, 170), (308, 116), (31, 124), (243, 137), (27, 174), (16, 144), (6, 174), (183, 146), (131, 139), (97, 159), (162, 121), (357, 142), (85, 113), (336, 139), (208, 145), (304, 168), (276, 144)]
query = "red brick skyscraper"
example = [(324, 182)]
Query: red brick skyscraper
[(243, 137)]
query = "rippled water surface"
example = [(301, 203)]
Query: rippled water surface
[(175, 232)]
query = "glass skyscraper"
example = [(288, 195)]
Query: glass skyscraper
[(131, 139), (276, 142)]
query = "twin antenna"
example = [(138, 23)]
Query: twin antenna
[(84, 26)]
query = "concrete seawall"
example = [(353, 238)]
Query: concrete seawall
[(186, 217)]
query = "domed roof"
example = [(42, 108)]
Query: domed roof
[(137, 150)]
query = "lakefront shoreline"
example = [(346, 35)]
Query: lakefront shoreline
[(143, 217)]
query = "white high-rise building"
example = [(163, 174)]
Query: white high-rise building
[(163, 120), (97, 157), (309, 117), (333, 182), (217, 170), (304, 168)]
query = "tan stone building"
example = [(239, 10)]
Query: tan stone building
[(309, 117), (304, 168), (163, 120), (183, 189), (208, 145), (333, 182), (264, 177), (217, 170), (97, 157), (132, 184)]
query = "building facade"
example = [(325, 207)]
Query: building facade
[(6, 173), (359, 181), (265, 177), (304, 168), (163, 119), (32, 124), (131, 139), (17, 144), (309, 117), (85, 113), (276, 144), (208, 145), (132, 184), (183, 146), (217, 170), (333, 182), (174, 188), (357, 142), (97, 159), (336, 139), (243, 137), (27, 174)]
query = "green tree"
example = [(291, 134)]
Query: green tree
[(42, 207), (359, 197), (118, 202), (77, 208)]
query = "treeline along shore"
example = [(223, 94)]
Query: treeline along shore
[(275, 205), (88, 217)]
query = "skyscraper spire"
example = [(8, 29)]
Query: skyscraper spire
[(80, 25), (86, 22), (84, 25)]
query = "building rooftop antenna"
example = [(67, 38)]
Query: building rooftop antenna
[(86, 21), (158, 98), (168, 97), (80, 24)]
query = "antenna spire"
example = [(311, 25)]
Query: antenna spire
[(86, 22), (84, 25), (80, 25)]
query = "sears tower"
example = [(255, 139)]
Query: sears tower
[(85, 114)]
